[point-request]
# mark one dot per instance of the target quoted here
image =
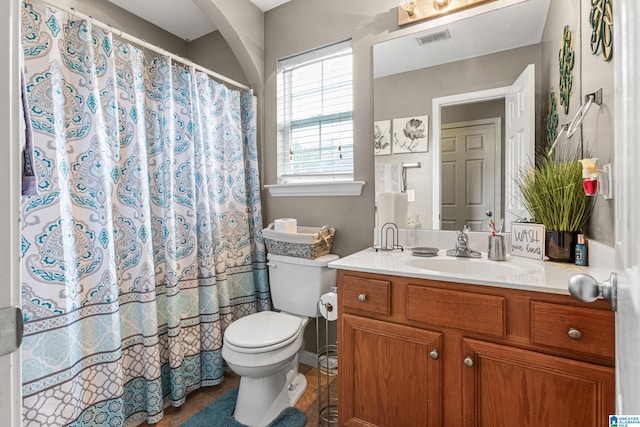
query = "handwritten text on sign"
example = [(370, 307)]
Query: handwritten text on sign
[(527, 240)]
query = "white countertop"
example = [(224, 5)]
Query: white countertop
[(515, 273)]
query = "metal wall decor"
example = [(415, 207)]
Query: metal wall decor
[(566, 59), (552, 120), (601, 19)]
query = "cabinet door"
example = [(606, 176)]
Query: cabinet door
[(390, 375), (505, 386)]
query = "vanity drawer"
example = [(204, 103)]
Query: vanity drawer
[(579, 329), (457, 309), (368, 295)]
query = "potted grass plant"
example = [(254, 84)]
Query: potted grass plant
[(552, 193)]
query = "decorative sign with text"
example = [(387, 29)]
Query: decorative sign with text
[(527, 240)]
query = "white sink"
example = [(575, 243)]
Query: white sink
[(467, 266)]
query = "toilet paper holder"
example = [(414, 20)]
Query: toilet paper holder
[(327, 360), (328, 306)]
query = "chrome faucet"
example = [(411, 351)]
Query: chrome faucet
[(462, 246), (462, 242)]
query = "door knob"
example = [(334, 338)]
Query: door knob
[(434, 354), (585, 288), (489, 214), (468, 362)]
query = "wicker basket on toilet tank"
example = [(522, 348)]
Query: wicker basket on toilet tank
[(308, 242)]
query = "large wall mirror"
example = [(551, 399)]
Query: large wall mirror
[(449, 133)]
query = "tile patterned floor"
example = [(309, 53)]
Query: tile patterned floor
[(199, 399)]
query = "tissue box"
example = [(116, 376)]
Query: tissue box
[(308, 242)]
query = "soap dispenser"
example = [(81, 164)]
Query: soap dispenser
[(413, 223), (581, 251)]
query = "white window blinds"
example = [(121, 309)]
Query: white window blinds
[(315, 115)]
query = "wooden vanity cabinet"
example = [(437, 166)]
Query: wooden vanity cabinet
[(417, 352), (393, 378), (508, 386)]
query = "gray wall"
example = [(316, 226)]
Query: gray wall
[(210, 51), (242, 25), (296, 27), (474, 111), (411, 93), (301, 25), (598, 126), (119, 18), (589, 74), (213, 52), (292, 28)]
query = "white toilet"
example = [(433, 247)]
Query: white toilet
[(263, 348)]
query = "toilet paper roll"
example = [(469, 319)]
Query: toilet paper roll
[(328, 306), (385, 207), (285, 225)]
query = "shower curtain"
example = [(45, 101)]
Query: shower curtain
[(143, 241)]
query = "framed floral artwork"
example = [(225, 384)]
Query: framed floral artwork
[(382, 137), (411, 135)]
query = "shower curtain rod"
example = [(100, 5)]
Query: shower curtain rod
[(141, 43)]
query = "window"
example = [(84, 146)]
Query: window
[(315, 116)]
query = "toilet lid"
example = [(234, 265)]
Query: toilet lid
[(262, 329)]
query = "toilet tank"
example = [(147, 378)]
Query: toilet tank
[(298, 283)]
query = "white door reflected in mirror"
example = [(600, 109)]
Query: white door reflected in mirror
[(471, 174), (519, 100)]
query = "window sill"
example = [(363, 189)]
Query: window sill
[(316, 189)]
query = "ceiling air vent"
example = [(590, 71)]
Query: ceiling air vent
[(434, 37)]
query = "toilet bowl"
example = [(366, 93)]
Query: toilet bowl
[(267, 366), (264, 348)]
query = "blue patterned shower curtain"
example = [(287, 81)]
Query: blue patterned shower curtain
[(143, 242)]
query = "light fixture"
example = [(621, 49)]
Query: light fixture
[(420, 10), (408, 6)]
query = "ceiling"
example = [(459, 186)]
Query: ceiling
[(517, 25), (180, 17)]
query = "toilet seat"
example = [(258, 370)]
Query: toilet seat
[(263, 331)]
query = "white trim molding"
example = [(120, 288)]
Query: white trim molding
[(316, 189)]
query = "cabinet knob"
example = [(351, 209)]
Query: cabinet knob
[(574, 334), (468, 361), (434, 354), (362, 297)]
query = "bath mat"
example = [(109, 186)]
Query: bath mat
[(218, 414)]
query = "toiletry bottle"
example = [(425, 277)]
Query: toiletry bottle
[(581, 251), (412, 235)]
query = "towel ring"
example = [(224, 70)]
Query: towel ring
[(579, 118)]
